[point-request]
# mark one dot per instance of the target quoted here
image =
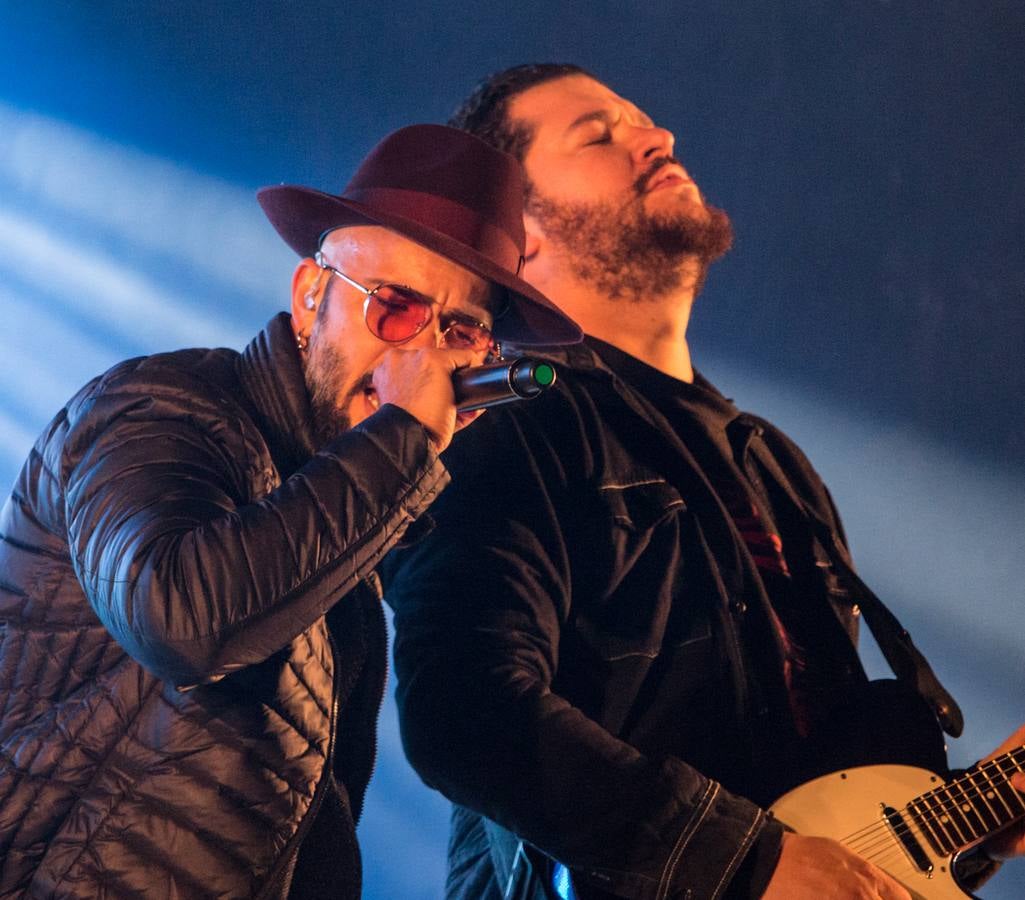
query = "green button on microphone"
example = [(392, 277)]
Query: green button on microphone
[(544, 375)]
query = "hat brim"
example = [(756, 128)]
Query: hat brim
[(302, 216)]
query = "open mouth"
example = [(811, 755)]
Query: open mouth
[(369, 392), (364, 388)]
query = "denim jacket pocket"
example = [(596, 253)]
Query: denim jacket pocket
[(639, 505), (623, 600)]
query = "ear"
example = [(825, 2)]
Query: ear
[(306, 295), (534, 240)]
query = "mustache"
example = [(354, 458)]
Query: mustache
[(643, 180)]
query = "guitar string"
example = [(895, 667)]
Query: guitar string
[(880, 831), (873, 840), (954, 819), (887, 848), (889, 852), (878, 835), (986, 769), (870, 831), (882, 843)]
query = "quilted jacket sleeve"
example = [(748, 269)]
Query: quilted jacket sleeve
[(193, 567)]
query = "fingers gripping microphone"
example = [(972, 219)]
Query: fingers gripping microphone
[(478, 387)]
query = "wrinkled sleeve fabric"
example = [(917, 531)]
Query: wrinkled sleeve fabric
[(480, 604), (194, 571)]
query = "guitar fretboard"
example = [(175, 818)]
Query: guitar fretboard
[(971, 806)]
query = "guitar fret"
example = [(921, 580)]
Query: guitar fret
[(950, 808), (1007, 766), (994, 788), (985, 791), (946, 827), (966, 808), (925, 820)]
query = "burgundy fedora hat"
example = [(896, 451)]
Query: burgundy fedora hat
[(450, 192)]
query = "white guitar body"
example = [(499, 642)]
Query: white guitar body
[(849, 806)]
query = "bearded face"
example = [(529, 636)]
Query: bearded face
[(326, 373), (626, 251)]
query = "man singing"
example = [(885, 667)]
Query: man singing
[(634, 628), (192, 647)]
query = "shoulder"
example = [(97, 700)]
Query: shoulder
[(195, 390), (199, 373), (799, 471), (561, 428), (195, 382)]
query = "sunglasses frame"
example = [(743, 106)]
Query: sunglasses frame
[(494, 348)]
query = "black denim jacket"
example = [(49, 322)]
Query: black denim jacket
[(577, 556)]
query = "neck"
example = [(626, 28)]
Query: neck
[(652, 329)]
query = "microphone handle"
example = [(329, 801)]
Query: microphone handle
[(479, 387)]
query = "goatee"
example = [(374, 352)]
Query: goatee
[(622, 250)]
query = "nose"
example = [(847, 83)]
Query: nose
[(652, 142), (429, 337)]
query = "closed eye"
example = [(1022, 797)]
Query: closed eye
[(595, 127)]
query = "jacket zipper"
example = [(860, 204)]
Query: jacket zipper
[(318, 794), (357, 810)]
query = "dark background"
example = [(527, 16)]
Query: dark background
[(870, 154)]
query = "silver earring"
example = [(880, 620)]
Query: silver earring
[(302, 342)]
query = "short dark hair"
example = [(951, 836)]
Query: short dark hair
[(484, 112)]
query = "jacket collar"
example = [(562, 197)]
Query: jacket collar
[(272, 377), (585, 357), (580, 357)]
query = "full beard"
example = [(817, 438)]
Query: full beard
[(623, 251), (325, 372)]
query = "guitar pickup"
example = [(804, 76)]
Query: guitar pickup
[(902, 832)]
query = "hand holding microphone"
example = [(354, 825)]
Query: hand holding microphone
[(424, 381)]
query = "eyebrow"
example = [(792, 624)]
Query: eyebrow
[(477, 310), (597, 115), (607, 118), (489, 306)]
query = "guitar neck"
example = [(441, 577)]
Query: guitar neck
[(972, 806)]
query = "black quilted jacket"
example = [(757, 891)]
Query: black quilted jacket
[(189, 630)]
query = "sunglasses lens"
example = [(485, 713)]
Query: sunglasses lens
[(397, 314), (466, 335)]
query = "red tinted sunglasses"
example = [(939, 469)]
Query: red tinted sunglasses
[(396, 313)]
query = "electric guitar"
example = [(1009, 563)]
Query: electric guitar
[(906, 820)]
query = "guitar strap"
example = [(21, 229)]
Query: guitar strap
[(900, 652)]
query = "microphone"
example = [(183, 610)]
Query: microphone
[(478, 387)]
